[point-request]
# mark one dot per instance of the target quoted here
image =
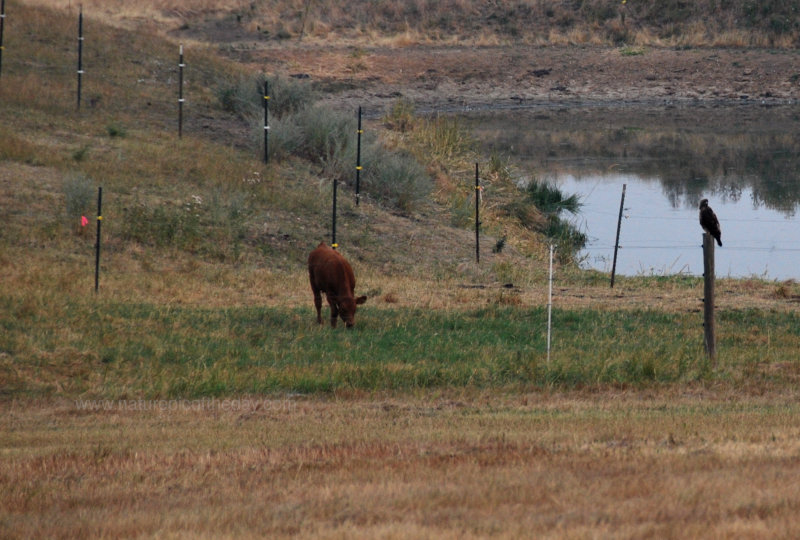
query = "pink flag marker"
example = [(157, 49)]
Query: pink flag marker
[(84, 221)]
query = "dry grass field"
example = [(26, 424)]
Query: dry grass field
[(690, 462)]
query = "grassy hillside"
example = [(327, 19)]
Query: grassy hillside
[(201, 219), (203, 287), (207, 195), (772, 23)]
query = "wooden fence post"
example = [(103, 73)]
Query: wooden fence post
[(708, 298)]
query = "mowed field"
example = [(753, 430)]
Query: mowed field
[(687, 462), (194, 395)]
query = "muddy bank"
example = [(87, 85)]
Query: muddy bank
[(458, 78)]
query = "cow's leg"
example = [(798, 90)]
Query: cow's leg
[(334, 312), (317, 303)]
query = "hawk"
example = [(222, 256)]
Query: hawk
[(709, 221)]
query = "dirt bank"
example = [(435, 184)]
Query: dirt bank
[(446, 78)]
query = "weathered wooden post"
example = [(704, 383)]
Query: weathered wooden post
[(616, 243), (708, 298)]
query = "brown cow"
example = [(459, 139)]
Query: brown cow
[(331, 274)]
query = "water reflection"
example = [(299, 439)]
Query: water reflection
[(746, 161)]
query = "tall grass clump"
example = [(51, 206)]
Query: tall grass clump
[(553, 202), (401, 116), (550, 199), (443, 140), (541, 208)]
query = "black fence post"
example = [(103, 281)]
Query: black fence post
[(180, 92), (2, 23), (97, 243), (616, 243), (266, 121), (358, 159), (334, 245), (80, 54), (477, 216)]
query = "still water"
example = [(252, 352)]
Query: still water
[(745, 160)]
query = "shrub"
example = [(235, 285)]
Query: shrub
[(396, 178), (79, 194), (328, 137), (285, 137), (462, 210), (245, 97), (116, 130)]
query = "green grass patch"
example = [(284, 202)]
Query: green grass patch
[(141, 350)]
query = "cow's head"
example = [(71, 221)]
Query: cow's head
[(347, 309)]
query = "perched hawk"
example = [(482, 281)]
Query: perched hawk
[(709, 221)]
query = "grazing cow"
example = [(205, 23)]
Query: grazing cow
[(331, 274)]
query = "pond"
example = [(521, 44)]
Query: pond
[(745, 160)]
